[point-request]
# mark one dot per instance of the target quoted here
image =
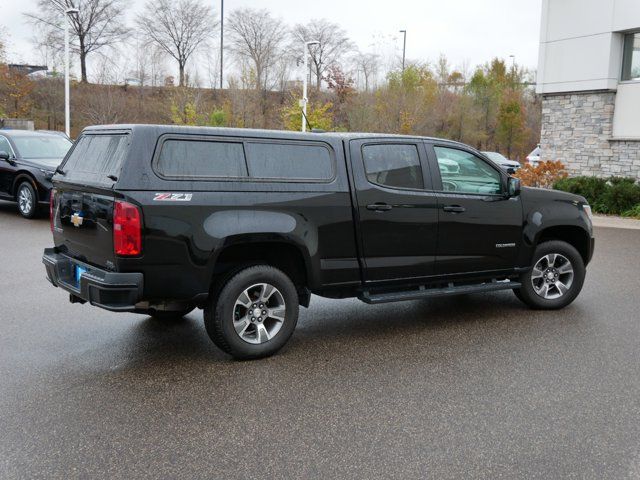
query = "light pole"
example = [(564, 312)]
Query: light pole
[(221, 38), (304, 83), (513, 61), (67, 113), (404, 47)]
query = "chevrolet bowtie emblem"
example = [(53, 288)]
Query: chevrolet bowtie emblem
[(76, 219)]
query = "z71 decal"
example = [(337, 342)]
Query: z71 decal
[(173, 197)]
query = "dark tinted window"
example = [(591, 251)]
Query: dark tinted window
[(289, 161), (201, 158), (393, 165), (98, 155)]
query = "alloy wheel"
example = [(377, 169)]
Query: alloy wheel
[(259, 313), (552, 276), (25, 200)]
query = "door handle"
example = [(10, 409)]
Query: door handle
[(453, 208), (380, 207)]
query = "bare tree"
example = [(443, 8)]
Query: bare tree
[(98, 24), (179, 27), (366, 65), (257, 37), (334, 44)]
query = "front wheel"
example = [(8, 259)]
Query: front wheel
[(27, 200), (254, 313), (556, 278)]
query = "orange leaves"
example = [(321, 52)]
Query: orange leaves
[(544, 175)]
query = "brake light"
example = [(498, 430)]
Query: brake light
[(127, 229), (51, 209)]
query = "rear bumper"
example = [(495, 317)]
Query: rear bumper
[(118, 292)]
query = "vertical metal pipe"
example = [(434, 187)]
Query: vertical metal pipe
[(304, 89), (221, 40), (404, 47), (67, 119)]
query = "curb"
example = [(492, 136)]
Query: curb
[(615, 222)]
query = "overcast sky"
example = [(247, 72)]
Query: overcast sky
[(467, 31)]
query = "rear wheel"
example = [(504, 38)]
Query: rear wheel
[(27, 200), (556, 278), (254, 314)]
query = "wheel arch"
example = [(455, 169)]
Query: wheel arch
[(574, 235), (277, 252), (21, 176)]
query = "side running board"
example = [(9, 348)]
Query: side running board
[(424, 292)]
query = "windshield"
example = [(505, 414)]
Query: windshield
[(42, 146), (495, 156)]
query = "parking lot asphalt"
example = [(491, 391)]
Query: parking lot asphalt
[(476, 386)]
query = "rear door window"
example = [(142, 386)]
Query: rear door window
[(393, 165), (201, 158)]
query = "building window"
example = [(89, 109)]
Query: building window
[(631, 57)]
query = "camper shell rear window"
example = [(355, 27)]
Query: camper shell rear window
[(97, 158)]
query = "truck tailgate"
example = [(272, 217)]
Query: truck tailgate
[(83, 225)]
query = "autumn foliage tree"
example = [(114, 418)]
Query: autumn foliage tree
[(543, 175), (510, 130), (16, 89)]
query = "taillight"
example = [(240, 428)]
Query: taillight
[(51, 209), (127, 229)]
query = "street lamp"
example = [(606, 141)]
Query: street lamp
[(404, 46), (304, 100), (67, 115)]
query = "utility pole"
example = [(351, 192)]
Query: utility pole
[(221, 39), (67, 108), (304, 100), (404, 47)]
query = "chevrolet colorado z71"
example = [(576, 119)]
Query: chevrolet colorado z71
[(247, 224)]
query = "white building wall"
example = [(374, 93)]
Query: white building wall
[(590, 119), (581, 43)]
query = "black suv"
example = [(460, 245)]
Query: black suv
[(247, 224), (27, 162)]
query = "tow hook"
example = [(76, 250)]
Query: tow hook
[(75, 299)]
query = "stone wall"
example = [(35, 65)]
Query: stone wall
[(577, 129)]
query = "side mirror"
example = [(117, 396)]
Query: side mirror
[(513, 187), (4, 155)]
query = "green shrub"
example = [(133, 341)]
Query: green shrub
[(634, 212), (620, 197), (614, 195), (591, 188)]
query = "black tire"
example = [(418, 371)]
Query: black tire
[(27, 199), (170, 316), (222, 309), (527, 293)]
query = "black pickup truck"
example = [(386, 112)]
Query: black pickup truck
[(247, 224)]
